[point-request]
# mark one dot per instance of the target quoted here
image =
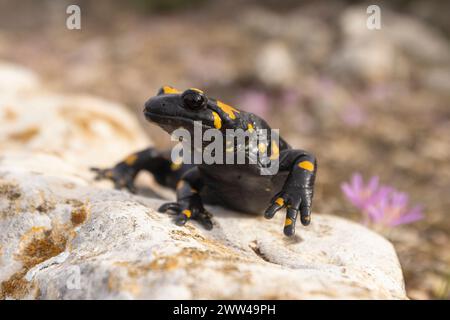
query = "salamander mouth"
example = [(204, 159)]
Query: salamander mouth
[(172, 120)]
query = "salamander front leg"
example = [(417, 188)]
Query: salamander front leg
[(298, 189)]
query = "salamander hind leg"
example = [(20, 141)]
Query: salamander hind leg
[(124, 173), (189, 204)]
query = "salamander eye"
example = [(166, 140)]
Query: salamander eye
[(194, 99)]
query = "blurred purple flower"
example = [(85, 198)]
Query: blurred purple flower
[(382, 205), (360, 195), (379, 92), (393, 210), (255, 101), (354, 116)]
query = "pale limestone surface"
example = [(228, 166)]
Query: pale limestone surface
[(65, 236), (15, 79), (80, 129)]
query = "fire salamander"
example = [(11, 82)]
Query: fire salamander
[(240, 187)]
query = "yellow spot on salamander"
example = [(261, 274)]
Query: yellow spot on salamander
[(275, 151), (250, 127), (307, 165), (288, 222), (198, 90), (131, 159), (170, 90), (227, 109), (187, 213), (280, 202), (217, 120), (175, 166), (178, 160)]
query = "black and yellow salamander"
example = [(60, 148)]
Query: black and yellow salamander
[(240, 187)]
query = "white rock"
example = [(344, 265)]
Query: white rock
[(275, 65), (80, 129), (293, 29), (15, 79), (401, 45), (65, 236)]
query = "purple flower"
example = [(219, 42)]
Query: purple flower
[(360, 195), (381, 205)]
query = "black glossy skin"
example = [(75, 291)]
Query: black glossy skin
[(239, 187)]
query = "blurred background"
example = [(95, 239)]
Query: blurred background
[(374, 102)]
